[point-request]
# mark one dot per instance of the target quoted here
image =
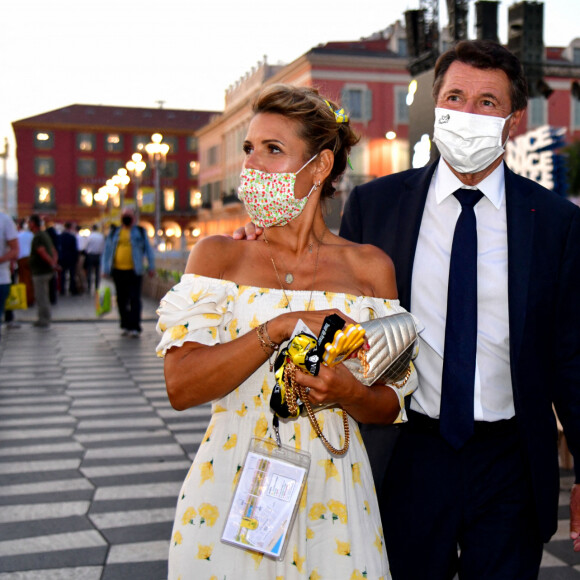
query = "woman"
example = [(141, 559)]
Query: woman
[(237, 302)]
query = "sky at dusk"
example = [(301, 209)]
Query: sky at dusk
[(183, 52)]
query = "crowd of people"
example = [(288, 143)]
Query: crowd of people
[(50, 264)]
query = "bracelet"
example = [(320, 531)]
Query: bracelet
[(266, 343)]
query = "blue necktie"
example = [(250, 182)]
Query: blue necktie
[(456, 413)]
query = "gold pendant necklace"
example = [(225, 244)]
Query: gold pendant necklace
[(289, 275)]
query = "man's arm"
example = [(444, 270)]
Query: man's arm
[(12, 251)]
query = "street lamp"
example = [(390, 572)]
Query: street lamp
[(121, 180), (157, 152), (136, 167)]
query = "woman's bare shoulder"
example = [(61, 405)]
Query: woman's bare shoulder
[(373, 267), (211, 256)]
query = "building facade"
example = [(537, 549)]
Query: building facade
[(65, 156)]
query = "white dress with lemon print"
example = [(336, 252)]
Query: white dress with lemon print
[(337, 533)]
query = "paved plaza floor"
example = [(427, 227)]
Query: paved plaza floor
[(92, 455)]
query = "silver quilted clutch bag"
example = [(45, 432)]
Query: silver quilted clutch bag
[(392, 341)]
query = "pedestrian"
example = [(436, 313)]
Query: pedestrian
[(43, 265), (8, 253), (81, 273), (476, 466), (54, 282), (126, 248), (94, 248), (68, 257), (24, 276)]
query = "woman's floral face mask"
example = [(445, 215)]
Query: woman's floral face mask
[(269, 197)]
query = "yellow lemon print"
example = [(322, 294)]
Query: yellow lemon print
[(254, 322), (208, 434), (206, 470), (356, 473), (234, 330), (266, 390), (342, 548), (251, 299), (209, 514), (257, 559), (231, 442), (330, 468), (261, 427), (219, 409), (177, 539), (330, 297), (284, 303), (162, 326), (317, 512), (309, 534), (195, 296), (313, 433), (188, 516), (243, 410), (338, 510), (367, 507), (297, 436), (378, 543), (178, 332), (213, 331), (257, 401), (212, 316), (204, 552), (357, 434), (303, 497), (314, 575), (356, 575), (298, 561)]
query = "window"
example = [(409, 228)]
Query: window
[(85, 195), (44, 197), (193, 169), (139, 142), (402, 47), (44, 166), (169, 199), (44, 140), (358, 102), (213, 155), (113, 143), (192, 144), (86, 167), (85, 142), (401, 107), (112, 166), (576, 55), (172, 142), (194, 198), (575, 113), (171, 169), (536, 111)]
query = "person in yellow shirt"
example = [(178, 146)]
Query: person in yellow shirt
[(126, 248)]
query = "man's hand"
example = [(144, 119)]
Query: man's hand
[(575, 516), (249, 232)]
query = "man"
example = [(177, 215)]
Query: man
[(8, 252), (491, 490), (68, 257), (24, 277), (125, 250), (43, 263), (94, 248)]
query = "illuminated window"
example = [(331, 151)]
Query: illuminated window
[(86, 193), (192, 144), (44, 166), (169, 199), (194, 198), (86, 167), (44, 197), (113, 142), (139, 142), (193, 169), (86, 142), (44, 140)]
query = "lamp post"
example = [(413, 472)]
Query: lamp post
[(121, 180), (136, 167), (157, 152)]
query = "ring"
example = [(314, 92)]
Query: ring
[(307, 390)]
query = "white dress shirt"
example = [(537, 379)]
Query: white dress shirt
[(493, 398)]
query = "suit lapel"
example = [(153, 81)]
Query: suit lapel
[(520, 229), (410, 213)]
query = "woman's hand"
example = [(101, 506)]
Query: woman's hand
[(248, 232)]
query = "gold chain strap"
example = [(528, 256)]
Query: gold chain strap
[(293, 391)]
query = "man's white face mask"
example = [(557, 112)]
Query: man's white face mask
[(468, 142)]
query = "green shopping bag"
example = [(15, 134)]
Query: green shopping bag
[(103, 301)]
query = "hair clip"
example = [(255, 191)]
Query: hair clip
[(340, 114)]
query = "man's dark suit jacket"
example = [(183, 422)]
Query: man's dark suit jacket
[(544, 305)]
